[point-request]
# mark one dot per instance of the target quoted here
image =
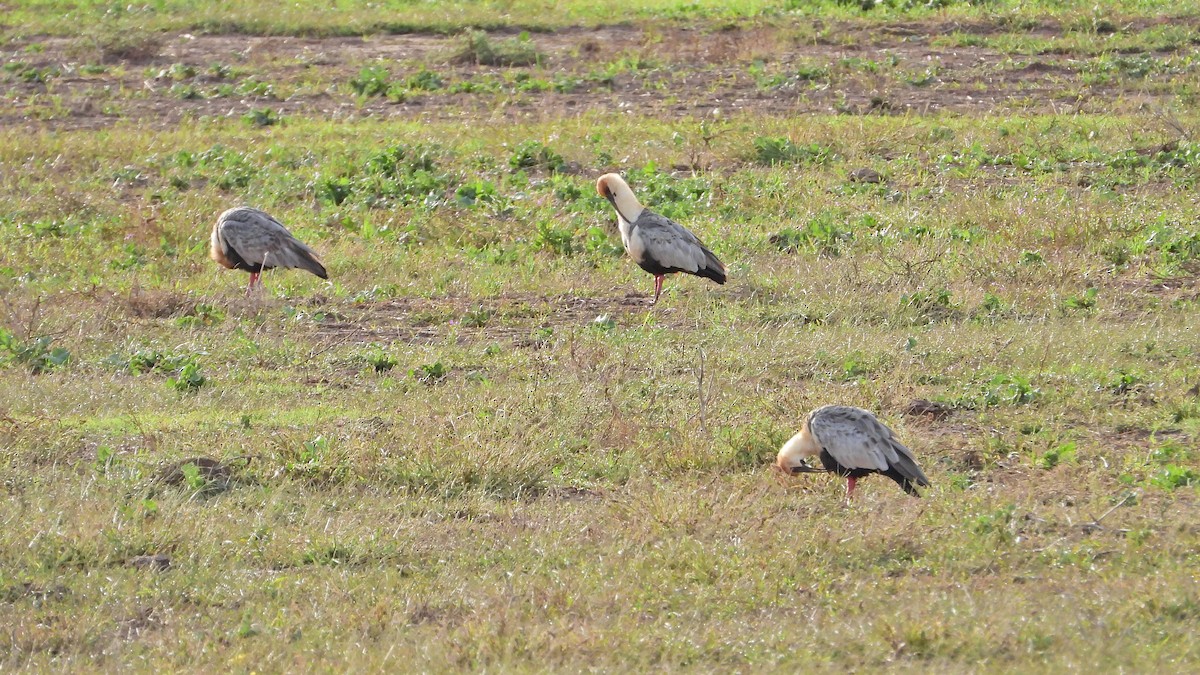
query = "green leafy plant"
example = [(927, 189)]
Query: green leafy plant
[(177, 71), (37, 354), (371, 81), (554, 239), (930, 305), (922, 78), (823, 234), (424, 80), (201, 315), (430, 373), (477, 192), (316, 460), (1009, 390), (852, 369), (1174, 476), (1082, 303), (997, 523), (333, 190), (672, 196), (1032, 258), (775, 150), (598, 241), (189, 379), (535, 154), (132, 257), (1124, 382), (192, 478), (477, 318), (378, 359), (151, 360), (254, 88), (477, 48), (31, 74), (1059, 454), (991, 307), (803, 74), (106, 459), (222, 167), (399, 175), (1170, 453), (186, 91), (333, 555), (246, 627), (261, 117), (566, 84), (314, 448)]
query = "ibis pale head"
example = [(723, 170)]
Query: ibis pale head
[(614, 188), (790, 459)]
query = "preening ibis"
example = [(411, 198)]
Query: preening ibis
[(656, 243), (248, 239), (850, 442)]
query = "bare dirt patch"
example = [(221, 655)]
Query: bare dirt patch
[(516, 318), (683, 72)]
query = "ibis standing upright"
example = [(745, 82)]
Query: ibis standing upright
[(656, 243), (850, 442), (249, 239)]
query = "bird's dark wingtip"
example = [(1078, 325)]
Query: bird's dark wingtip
[(713, 274)]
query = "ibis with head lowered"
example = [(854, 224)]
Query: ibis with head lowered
[(250, 240), (853, 443)]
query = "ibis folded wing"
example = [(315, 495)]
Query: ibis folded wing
[(857, 440), (260, 240), (673, 247)]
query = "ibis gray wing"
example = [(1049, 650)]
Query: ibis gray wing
[(858, 440), (251, 233), (898, 455), (260, 239), (853, 437), (669, 243)]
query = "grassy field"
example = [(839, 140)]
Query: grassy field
[(359, 17), (477, 446)]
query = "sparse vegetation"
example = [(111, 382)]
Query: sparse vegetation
[(261, 117), (771, 151), (36, 354), (477, 447), (479, 49), (188, 379), (371, 81), (378, 359), (113, 41)]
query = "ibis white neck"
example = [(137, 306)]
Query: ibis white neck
[(626, 204)]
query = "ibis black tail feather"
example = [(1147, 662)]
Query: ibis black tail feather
[(309, 261), (713, 268)]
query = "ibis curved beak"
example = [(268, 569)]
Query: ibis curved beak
[(796, 470)]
